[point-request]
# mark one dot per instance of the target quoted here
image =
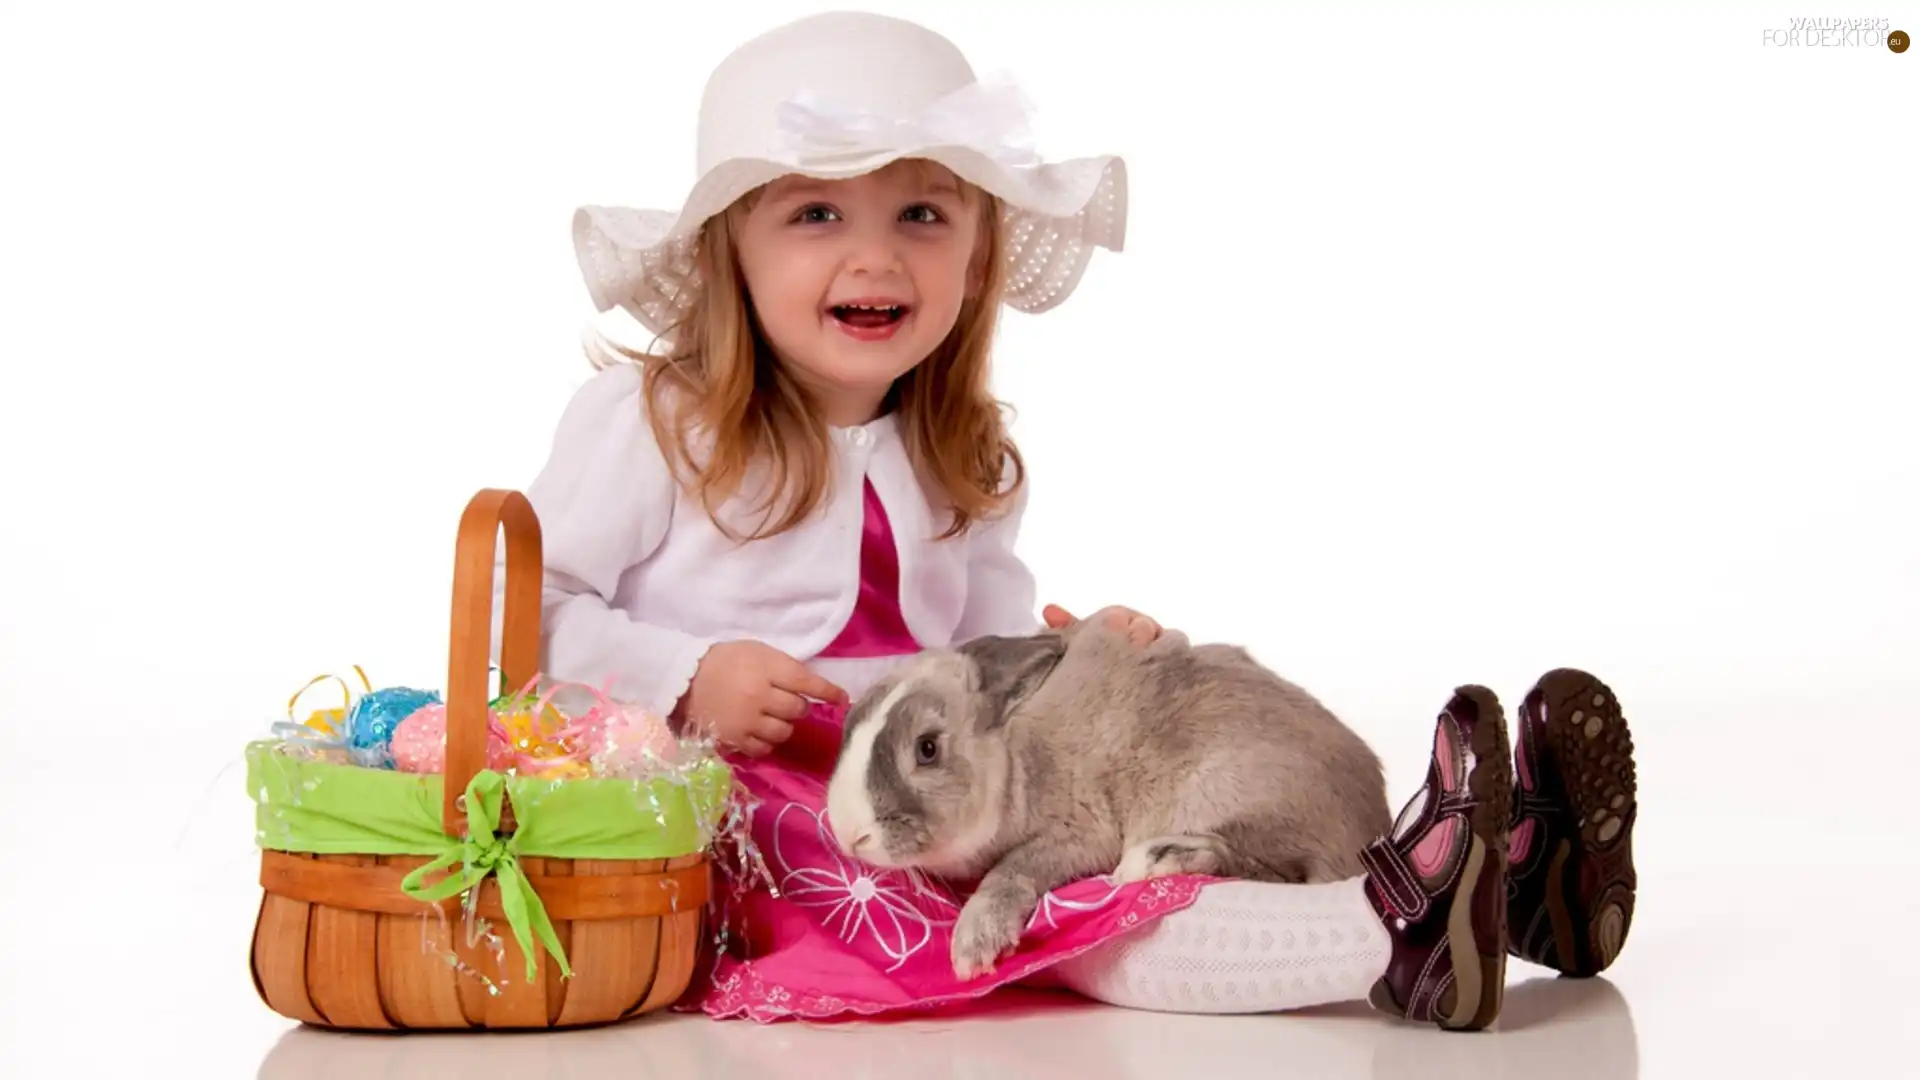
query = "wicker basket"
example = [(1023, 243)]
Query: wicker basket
[(339, 943)]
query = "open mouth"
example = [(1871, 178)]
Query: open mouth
[(868, 316)]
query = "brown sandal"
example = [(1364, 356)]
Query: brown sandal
[(1438, 881)]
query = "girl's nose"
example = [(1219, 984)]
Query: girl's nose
[(873, 251)]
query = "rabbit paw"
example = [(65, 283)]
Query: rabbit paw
[(988, 928)]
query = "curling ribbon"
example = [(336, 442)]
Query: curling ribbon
[(333, 719), (323, 729)]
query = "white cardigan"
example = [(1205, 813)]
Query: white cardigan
[(639, 582)]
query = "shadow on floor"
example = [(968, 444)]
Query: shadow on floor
[(1549, 1027)]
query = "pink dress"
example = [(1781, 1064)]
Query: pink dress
[(842, 939)]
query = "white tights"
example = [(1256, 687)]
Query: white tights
[(1242, 947)]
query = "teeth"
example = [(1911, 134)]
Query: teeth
[(871, 307)]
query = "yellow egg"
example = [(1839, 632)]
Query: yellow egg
[(533, 734), (327, 721)]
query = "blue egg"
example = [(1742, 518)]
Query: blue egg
[(371, 722)]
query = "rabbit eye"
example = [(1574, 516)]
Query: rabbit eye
[(927, 750)]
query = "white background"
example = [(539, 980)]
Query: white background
[(1448, 346)]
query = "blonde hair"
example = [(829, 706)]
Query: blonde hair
[(727, 382)]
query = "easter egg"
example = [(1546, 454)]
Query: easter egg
[(534, 737), (632, 743), (327, 721), (419, 743), (373, 718), (536, 744)]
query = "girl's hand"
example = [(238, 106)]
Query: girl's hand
[(748, 695), (1140, 629)]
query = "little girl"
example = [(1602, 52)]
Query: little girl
[(809, 480)]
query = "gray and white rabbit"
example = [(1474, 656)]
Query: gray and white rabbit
[(1031, 762)]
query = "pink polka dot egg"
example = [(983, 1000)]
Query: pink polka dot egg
[(420, 743), (630, 741)]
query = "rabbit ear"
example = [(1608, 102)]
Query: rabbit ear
[(1008, 669)]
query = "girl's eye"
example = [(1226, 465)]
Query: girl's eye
[(931, 215), (814, 215), (927, 750)]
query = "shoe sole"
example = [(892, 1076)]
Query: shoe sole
[(1588, 744), (1491, 781)]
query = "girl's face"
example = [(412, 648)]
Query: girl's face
[(855, 282)]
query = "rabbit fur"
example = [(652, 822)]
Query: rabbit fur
[(1030, 762)]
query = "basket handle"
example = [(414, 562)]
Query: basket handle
[(488, 514)]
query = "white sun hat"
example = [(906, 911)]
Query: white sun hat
[(838, 95)]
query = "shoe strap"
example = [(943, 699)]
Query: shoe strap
[(1530, 804), (1387, 866)]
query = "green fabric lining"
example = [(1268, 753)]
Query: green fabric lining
[(324, 808)]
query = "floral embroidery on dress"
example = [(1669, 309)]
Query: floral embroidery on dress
[(891, 908), (1053, 901), (744, 992)]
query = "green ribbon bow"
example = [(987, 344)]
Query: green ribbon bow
[(483, 853)]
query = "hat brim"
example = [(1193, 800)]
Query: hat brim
[(1057, 213)]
